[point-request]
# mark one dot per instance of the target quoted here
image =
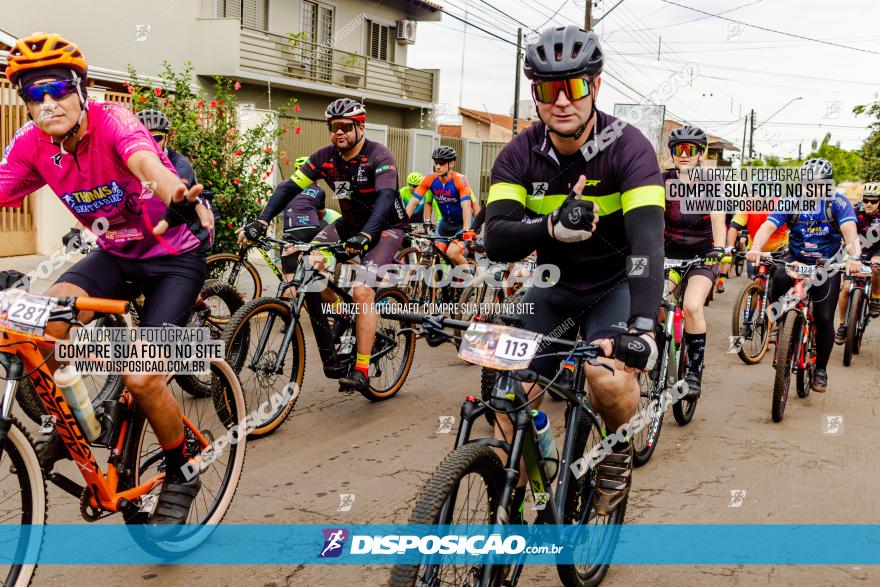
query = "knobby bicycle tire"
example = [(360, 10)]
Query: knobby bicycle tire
[(736, 324), (784, 356), (217, 267), (852, 325), (406, 339)]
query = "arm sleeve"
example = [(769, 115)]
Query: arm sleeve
[(644, 231), (387, 209), (18, 177), (281, 197), (386, 172), (778, 218), (479, 220)]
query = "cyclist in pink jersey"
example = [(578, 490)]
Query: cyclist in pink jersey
[(105, 167)]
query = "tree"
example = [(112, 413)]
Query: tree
[(232, 163), (847, 164), (871, 148)]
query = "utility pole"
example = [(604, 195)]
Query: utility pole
[(463, 46), (752, 135), (659, 40), (742, 158), (516, 83), (799, 150), (588, 15)]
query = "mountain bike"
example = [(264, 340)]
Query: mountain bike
[(472, 486), (666, 373), (135, 464), (265, 343), (437, 281), (857, 310), (242, 275), (796, 336), (213, 308), (750, 324)]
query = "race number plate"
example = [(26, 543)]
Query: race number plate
[(498, 346), (806, 269), (23, 312), (864, 270)]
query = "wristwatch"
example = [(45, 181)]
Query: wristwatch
[(640, 324)]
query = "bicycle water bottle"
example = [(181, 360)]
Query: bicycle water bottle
[(75, 393), (677, 324), (546, 443)]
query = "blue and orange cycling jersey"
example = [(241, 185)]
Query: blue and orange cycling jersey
[(448, 196)]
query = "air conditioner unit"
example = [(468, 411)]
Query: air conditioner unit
[(406, 32)]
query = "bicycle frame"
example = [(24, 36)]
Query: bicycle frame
[(22, 355)]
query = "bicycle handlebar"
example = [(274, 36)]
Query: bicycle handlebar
[(100, 305)]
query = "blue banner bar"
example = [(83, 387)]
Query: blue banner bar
[(231, 544)]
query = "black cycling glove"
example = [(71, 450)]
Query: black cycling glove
[(357, 244), (714, 256), (182, 212), (255, 230), (573, 221), (636, 350)]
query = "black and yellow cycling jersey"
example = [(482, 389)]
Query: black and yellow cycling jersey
[(530, 179)]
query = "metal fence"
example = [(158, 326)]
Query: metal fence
[(490, 153), (17, 228)]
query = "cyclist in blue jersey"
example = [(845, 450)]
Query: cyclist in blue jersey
[(813, 237)]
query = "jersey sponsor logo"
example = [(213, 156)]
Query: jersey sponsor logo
[(384, 168), (361, 175), (311, 192), (56, 159), (303, 220), (593, 182), (539, 189), (124, 234), (87, 201), (342, 189)]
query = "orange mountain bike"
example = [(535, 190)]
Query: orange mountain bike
[(133, 457)]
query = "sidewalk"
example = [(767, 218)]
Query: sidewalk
[(27, 263)]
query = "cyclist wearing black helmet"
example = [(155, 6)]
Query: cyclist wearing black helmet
[(363, 176), (583, 189), (160, 127), (688, 236), (812, 237)]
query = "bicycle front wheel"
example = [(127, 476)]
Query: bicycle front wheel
[(852, 326), (241, 275), (754, 330), (786, 357), (22, 503), (652, 403), (253, 345), (465, 489), (215, 417), (683, 410)]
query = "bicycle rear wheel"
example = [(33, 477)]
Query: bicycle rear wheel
[(786, 355), (22, 503), (241, 275), (683, 410), (468, 483), (393, 351), (755, 333), (253, 343), (215, 417), (602, 537)]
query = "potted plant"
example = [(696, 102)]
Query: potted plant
[(353, 69), (299, 43)]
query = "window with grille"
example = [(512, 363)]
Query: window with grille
[(380, 41), (254, 14)]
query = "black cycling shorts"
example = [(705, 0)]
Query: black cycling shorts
[(380, 254), (170, 284), (563, 313)]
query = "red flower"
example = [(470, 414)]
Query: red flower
[(200, 104), (287, 161), (213, 103), (296, 108), (144, 99), (236, 182), (237, 86), (298, 130), (229, 225), (157, 91), (129, 88), (213, 162), (253, 169), (267, 150), (220, 102), (239, 152)]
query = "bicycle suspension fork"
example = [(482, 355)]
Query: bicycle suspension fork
[(14, 370)]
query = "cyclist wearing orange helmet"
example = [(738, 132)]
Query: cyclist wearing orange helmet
[(106, 168)]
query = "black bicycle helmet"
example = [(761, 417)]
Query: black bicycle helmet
[(345, 108), (562, 53), (822, 168), (444, 154), (688, 134), (154, 120)]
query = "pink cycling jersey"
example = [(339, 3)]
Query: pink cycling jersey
[(95, 182)]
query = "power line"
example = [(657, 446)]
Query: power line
[(774, 30), (490, 33), (504, 14), (666, 26)]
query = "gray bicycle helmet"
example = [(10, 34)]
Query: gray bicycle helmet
[(822, 168), (154, 120), (345, 108), (562, 53), (688, 134), (444, 154)]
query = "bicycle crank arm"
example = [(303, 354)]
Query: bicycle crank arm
[(67, 484)]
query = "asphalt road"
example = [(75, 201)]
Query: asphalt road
[(791, 472)]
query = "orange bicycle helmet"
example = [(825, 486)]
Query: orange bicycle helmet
[(40, 51)]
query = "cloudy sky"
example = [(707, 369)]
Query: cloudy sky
[(738, 67)]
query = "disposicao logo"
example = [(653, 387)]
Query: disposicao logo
[(334, 541)]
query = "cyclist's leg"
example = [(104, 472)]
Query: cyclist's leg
[(843, 298), (874, 254), (376, 261), (698, 285), (824, 305)]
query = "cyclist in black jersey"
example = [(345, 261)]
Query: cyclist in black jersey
[(688, 236), (363, 177), (583, 189)]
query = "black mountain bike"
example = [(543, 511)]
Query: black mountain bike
[(472, 486), (857, 310), (266, 346)]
